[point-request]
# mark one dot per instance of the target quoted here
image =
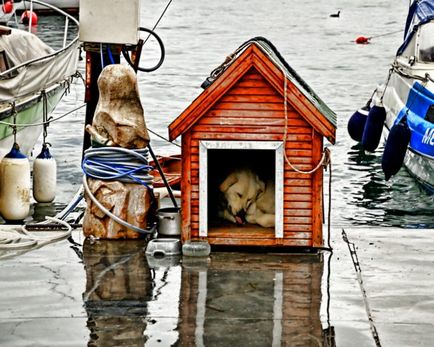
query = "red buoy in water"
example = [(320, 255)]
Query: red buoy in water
[(7, 7), (25, 17), (362, 40)]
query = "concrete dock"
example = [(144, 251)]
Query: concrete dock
[(108, 293)]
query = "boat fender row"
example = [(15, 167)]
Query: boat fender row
[(15, 182), (366, 126), (395, 149)]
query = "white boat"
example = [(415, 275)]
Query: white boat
[(70, 6), (404, 104), (33, 79)]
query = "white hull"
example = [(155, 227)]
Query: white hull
[(420, 167), (397, 97), (61, 4), (31, 113)]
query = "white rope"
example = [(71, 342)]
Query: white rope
[(285, 105), (12, 240), (229, 61), (23, 125)]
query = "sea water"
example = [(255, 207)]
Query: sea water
[(198, 35)]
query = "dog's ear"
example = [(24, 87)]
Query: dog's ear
[(230, 180), (261, 186)]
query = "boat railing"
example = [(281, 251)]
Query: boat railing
[(20, 80), (10, 72)]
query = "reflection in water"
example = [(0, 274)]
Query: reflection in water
[(231, 299), (118, 287), (406, 205), (163, 308), (252, 300)]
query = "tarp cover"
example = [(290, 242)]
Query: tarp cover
[(21, 47), (419, 13)]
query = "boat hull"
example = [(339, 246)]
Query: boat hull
[(70, 6), (419, 166), (406, 97), (29, 111)]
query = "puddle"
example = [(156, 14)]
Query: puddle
[(229, 299), (103, 293)]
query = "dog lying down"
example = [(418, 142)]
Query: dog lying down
[(247, 199)]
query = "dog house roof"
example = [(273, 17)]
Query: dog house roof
[(259, 53)]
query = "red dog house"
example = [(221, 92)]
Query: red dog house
[(242, 117)]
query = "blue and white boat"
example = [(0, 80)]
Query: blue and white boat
[(405, 103)]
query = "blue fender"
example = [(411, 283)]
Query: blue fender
[(373, 128), (357, 122), (395, 149)]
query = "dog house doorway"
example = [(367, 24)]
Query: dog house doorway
[(216, 160)]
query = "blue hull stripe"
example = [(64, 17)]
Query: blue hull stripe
[(422, 132)]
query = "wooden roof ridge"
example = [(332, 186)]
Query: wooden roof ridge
[(298, 94)]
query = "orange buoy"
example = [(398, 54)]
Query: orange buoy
[(27, 15), (362, 40), (7, 7)]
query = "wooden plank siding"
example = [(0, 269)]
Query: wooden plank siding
[(253, 110)]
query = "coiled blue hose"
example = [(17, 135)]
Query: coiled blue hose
[(116, 163), (120, 164)]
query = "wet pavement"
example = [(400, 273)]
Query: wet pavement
[(109, 293)]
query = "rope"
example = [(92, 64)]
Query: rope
[(326, 153), (163, 138), (386, 34), (395, 68), (14, 125), (24, 125), (16, 240), (387, 83), (399, 71), (44, 115), (158, 21), (324, 161), (329, 212)]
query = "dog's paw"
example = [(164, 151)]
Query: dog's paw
[(226, 215), (251, 218), (266, 220)]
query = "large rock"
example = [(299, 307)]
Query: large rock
[(118, 118), (128, 201)]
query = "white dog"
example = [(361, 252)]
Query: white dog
[(248, 198)]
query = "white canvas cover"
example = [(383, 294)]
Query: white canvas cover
[(37, 73)]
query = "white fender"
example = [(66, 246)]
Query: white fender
[(15, 185), (44, 176)]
